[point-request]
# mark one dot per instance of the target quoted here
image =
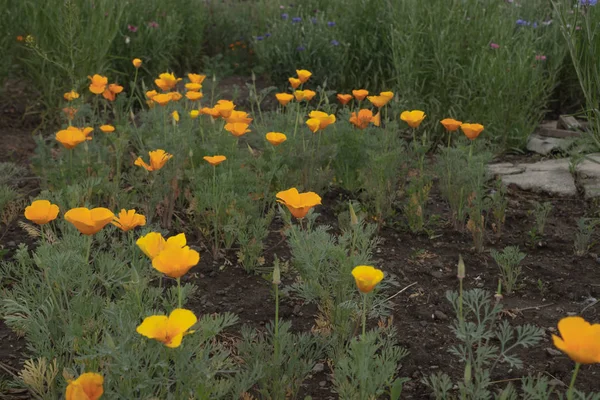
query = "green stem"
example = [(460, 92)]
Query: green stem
[(364, 316), (128, 109), (297, 117), (179, 292), (572, 385), (216, 210), (89, 248), (276, 310), (460, 302), (42, 232)]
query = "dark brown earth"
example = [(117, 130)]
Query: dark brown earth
[(555, 282)]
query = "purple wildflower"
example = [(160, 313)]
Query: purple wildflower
[(296, 20), (259, 38), (300, 48), (313, 20), (331, 24), (132, 28), (335, 43), (284, 16), (588, 2), (153, 24), (267, 35)]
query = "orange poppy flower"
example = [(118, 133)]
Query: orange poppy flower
[(214, 160), (128, 220), (299, 204), (472, 131), (294, 82), (284, 98), (193, 87), (450, 124), (87, 386), (166, 81), (168, 330), (238, 116), (89, 222), (196, 78), (360, 94), (344, 98), (70, 96), (303, 75), (363, 118), (225, 108), (107, 128), (413, 118), (41, 212), (366, 277), (237, 128), (98, 83), (162, 99), (579, 339), (158, 159), (275, 138), (137, 62)]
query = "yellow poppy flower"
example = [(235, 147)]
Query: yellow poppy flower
[(238, 116), (70, 96), (303, 75), (168, 330), (450, 124), (213, 112), (362, 119), (71, 137), (294, 82), (366, 277), (175, 116), (379, 101), (344, 98), (214, 160), (579, 339), (196, 78), (360, 94), (284, 98), (324, 119), (153, 243), (41, 212), (98, 83), (275, 138), (304, 95), (175, 96), (193, 87), (225, 108), (194, 114), (162, 99), (128, 220), (107, 128), (151, 93), (137, 62), (299, 204), (389, 95), (175, 261), (166, 81), (237, 129), (158, 158), (413, 118), (472, 130), (88, 386), (313, 124), (87, 221)]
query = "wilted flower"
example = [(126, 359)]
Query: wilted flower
[(87, 221), (128, 220), (239, 116), (214, 160), (70, 112), (275, 138), (364, 118), (87, 386), (303, 75), (450, 124), (237, 129), (193, 96), (168, 330), (344, 98), (299, 204), (471, 130), (225, 108), (41, 212), (158, 158), (324, 119), (137, 62), (163, 99), (366, 277), (153, 243), (284, 98), (107, 128), (294, 82), (360, 94), (98, 83), (413, 118), (70, 96), (579, 339), (166, 81)]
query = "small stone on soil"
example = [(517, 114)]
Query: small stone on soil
[(319, 367)]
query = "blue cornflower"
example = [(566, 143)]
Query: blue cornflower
[(331, 24), (535, 25), (588, 2), (267, 35), (284, 16), (313, 20), (335, 43), (522, 22), (296, 19), (300, 48), (259, 38)]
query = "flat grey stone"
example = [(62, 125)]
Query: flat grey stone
[(505, 169), (589, 175), (552, 181), (546, 145), (549, 165)]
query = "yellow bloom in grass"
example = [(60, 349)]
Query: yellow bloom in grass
[(360, 94), (193, 87), (151, 93), (294, 82), (112, 91), (87, 221), (284, 98), (313, 124), (364, 118), (214, 160), (107, 128), (89, 386), (303, 75), (175, 96), (175, 116), (194, 114), (162, 99), (128, 220), (304, 95), (237, 129), (579, 339), (137, 62), (324, 119), (450, 124), (238, 116), (213, 112), (166, 81), (153, 243), (175, 261), (275, 138), (472, 130), (366, 277), (70, 137), (70, 96), (41, 212), (225, 108), (196, 78), (413, 118), (344, 98), (98, 83), (168, 330), (381, 100), (299, 204), (158, 159)]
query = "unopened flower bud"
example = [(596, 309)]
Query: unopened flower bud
[(461, 268), (276, 274), (353, 217)]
